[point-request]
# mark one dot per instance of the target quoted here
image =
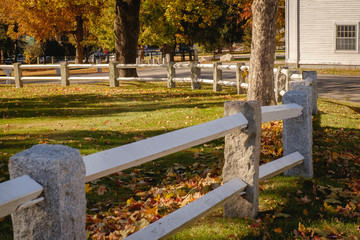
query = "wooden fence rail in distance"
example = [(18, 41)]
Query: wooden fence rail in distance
[(281, 85)]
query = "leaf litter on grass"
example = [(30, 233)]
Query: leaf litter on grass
[(326, 207)]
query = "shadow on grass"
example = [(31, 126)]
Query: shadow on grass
[(83, 105), (333, 148)]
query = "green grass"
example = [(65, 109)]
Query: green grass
[(335, 71), (94, 117)]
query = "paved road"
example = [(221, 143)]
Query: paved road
[(339, 87)]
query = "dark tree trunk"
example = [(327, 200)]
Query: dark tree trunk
[(168, 50), (79, 33), (263, 45), (86, 54), (2, 59), (127, 29)]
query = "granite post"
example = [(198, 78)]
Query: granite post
[(239, 78), (309, 80), (61, 172), (217, 74), (113, 74), (18, 75), (195, 73), (170, 74), (297, 132), (242, 154), (64, 74), (314, 88)]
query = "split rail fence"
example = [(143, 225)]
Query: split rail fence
[(282, 75), (46, 193)]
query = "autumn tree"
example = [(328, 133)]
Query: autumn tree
[(155, 29), (8, 45), (45, 19), (209, 23), (263, 46)]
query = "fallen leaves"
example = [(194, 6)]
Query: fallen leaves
[(180, 186)]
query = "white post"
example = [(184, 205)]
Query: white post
[(242, 154), (60, 170)]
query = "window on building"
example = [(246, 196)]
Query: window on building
[(346, 37)]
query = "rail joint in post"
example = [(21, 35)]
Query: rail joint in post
[(217, 74)]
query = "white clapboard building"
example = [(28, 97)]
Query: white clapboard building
[(322, 33)]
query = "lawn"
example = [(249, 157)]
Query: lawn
[(95, 117)]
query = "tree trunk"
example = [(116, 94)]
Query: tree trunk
[(168, 50), (79, 38), (127, 29), (86, 54), (2, 59), (263, 45)]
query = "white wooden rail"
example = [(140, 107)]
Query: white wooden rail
[(280, 165), (7, 78), (183, 217), (116, 159), (126, 156), (6, 66), (278, 112), (140, 65), (41, 78), (175, 221), (150, 79), (194, 79), (23, 192), (16, 192)]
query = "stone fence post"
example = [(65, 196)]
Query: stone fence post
[(217, 74), (314, 91), (18, 75), (278, 77), (239, 78), (297, 132), (113, 74), (195, 75), (170, 74), (98, 61), (64, 74), (242, 154), (61, 172), (309, 79)]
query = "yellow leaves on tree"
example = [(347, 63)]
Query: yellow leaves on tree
[(44, 19)]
